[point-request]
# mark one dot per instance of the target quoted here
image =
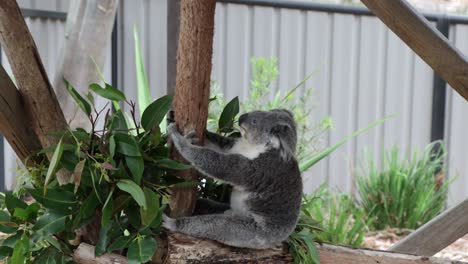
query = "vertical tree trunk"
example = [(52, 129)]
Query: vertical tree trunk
[(40, 103), (192, 84), (88, 31)]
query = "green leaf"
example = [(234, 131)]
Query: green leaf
[(127, 145), (136, 166), (80, 101), (112, 146), (230, 111), (108, 92), (5, 252), (54, 162), (6, 226), (101, 245), (120, 243), (20, 250), (141, 250), (12, 203), (172, 164), (305, 165), (50, 223), (11, 240), (56, 199), (155, 112), (134, 190), (27, 214), (107, 210), (152, 201), (144, 97)]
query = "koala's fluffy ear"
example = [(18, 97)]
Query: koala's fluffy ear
[(280, 128), (285, 111)]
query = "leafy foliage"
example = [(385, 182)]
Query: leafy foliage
[(404, 193)]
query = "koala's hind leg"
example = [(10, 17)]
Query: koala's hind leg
[(228, 229), (206, 206)]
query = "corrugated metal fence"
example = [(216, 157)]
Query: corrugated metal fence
[(364, 73)]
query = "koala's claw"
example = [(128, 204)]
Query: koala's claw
[(168, 223)]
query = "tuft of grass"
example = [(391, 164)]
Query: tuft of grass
[(405, 193)]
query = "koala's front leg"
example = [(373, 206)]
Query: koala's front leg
[(214, 164)]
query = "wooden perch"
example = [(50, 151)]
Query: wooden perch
[(13, 119), (41, 105), (436, 234), (185, 249), (192, 86), (424, 39)]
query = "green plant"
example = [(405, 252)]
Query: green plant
[(404, 193)]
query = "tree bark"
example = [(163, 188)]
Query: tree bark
[(41, 105), (88, 30), (192, 85), (14, 121)]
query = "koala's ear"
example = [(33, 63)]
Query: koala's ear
[(280, 128), (285, 111)]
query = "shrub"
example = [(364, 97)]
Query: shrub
[(404, 193)]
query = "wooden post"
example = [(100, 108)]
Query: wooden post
[(41, 105), (13, 119), (192, 85), (424, 39), (436, 234)]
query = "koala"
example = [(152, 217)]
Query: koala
[(262, 169)]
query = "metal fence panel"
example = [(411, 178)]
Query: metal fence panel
[(50, 5), (456, 128)]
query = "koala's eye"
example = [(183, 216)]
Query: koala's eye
[(254, 121)]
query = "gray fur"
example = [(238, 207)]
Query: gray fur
[(267, 185)]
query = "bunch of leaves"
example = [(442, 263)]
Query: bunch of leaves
[(404, 193), (121, 175)]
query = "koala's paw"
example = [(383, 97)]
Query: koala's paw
[(169, 223), (192, 137)]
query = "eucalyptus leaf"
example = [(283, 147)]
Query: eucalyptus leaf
[(12, 203), (80, 101), (141, 250), (107, 210), (20, 250), (127, 145), (134, 190), (144, 97), (54, 162), (230, 111), (108, 92), (136, 166), (155, 112), (55, 199), (50, 223), (103, 240), (152, 201), (5, 252), (120, 243), (77, 174), (6, 226), (172, 164)]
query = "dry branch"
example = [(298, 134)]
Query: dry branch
[(447, 61), (185, 249), (192, 85), (41, 105), (13, 119)]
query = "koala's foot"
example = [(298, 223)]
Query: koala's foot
[(169, 223)]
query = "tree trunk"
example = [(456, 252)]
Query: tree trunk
[(41, 105), (192, 85), (13, 119), (88, 30)]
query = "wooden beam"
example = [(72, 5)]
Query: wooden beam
[(436, 234), (41, 105), (186, 249), (192, 90), (13, 119), (424, 39)]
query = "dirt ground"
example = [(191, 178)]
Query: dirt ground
[(385, 239)]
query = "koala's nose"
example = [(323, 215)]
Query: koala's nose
[(242, 118)]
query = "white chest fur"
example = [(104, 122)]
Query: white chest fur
[(238, 199), (246, 149)]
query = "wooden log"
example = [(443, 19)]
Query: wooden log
[(436, 234), (424, 39), (185, 249), (192, 86), (41, 105), (84, 254), (13, 119), (88, 30)]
